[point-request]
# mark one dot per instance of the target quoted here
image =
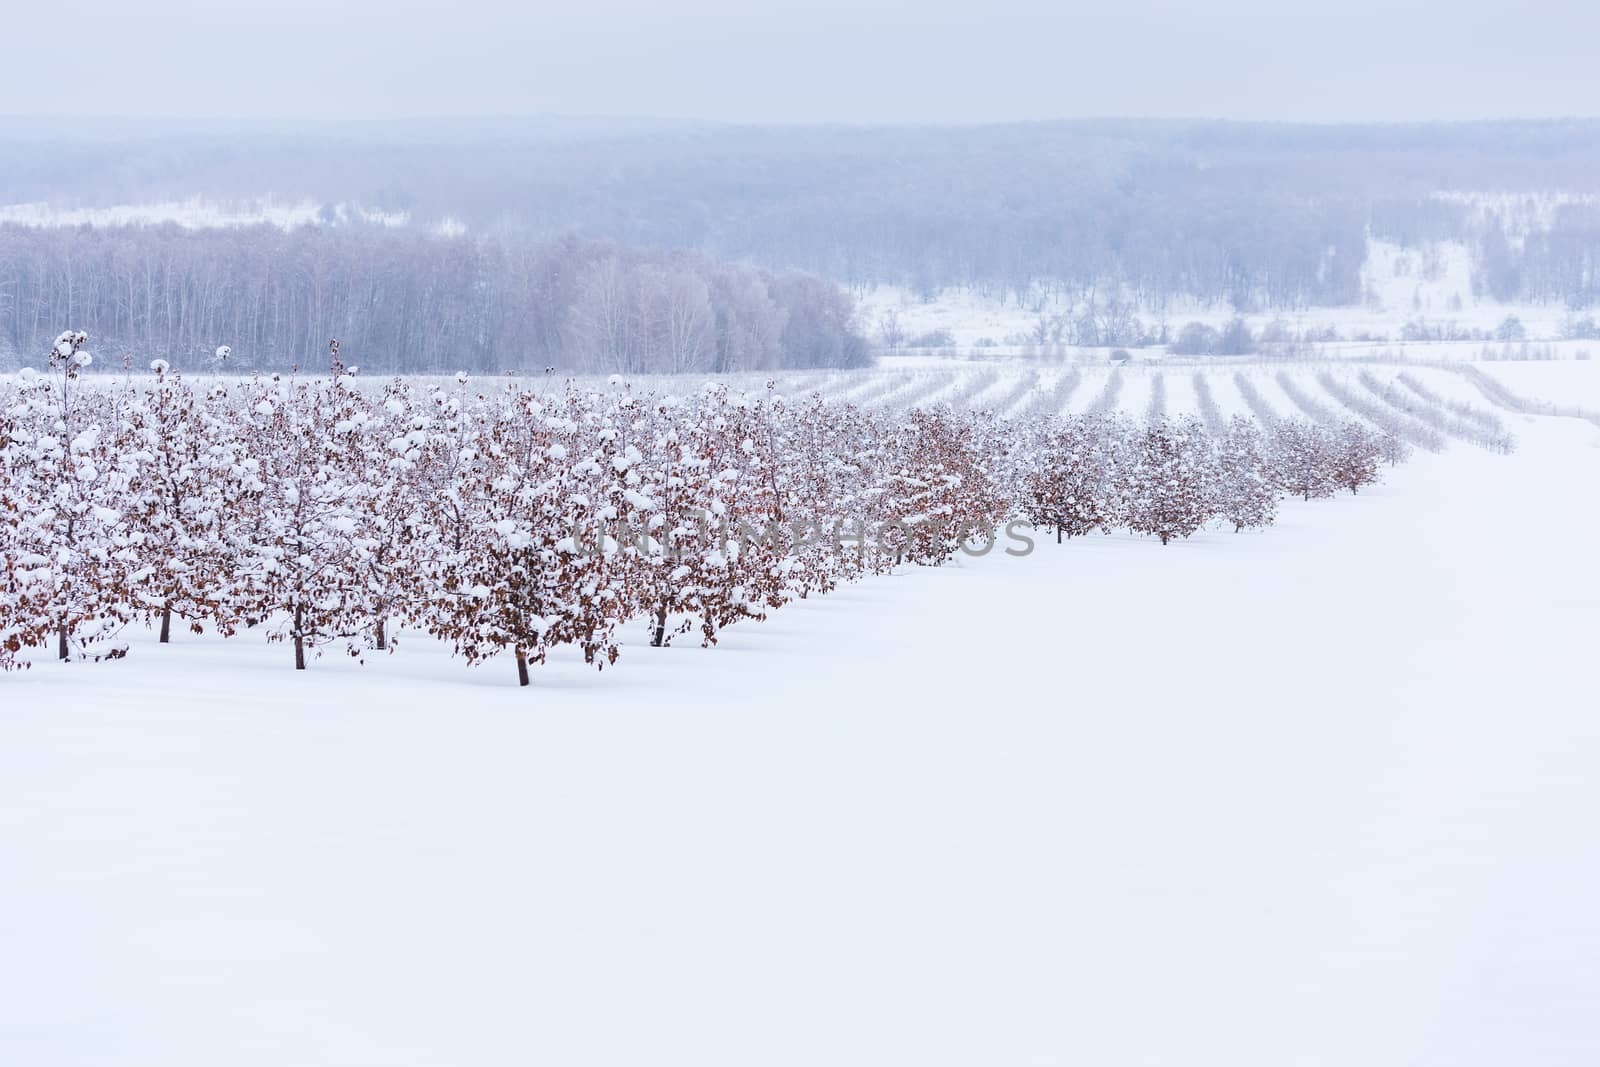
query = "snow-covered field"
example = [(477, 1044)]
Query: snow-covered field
[(198, 213), (1560, 382), (1317, 795), (1018, 387)]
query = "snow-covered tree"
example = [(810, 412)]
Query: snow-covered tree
[(517, 575), (69, 552), (1171, 479), (1077, 487), (297, 572), (1303, 458), (1246, 495), (186, 493), (935, 490), (1355, 460)]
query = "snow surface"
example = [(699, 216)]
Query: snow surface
[(1561, 382), (1318, 795), (199, 213)]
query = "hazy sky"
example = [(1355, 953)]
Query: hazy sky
[(791, 61)]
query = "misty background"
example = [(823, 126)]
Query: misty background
[(623, 188), (785, 61)]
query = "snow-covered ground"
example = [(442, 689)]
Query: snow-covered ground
[(1561, 382), (1320, 795), (198, 213)]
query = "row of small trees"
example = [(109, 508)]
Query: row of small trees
[(1168, 478), (324, 512)]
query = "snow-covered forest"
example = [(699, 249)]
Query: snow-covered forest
[(404, 301), (1249, 215)]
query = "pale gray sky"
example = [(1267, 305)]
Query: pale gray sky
[(801, 60)]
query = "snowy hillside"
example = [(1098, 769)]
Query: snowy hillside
[(1432, 283)]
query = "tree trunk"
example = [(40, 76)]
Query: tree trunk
[(1058, 535), (522, 667), (61, 643), (166, 623), (660, 636), (299, 639), (382, 636)]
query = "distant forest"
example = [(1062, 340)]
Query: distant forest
[(1251, 215), (401, 300)]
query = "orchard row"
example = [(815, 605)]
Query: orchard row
[(324, 514)]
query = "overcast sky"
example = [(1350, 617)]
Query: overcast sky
[(801, 60)]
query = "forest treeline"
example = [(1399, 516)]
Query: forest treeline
[(1256, 215), (402, 300)]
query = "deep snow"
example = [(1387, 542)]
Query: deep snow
[(1318, 795)]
